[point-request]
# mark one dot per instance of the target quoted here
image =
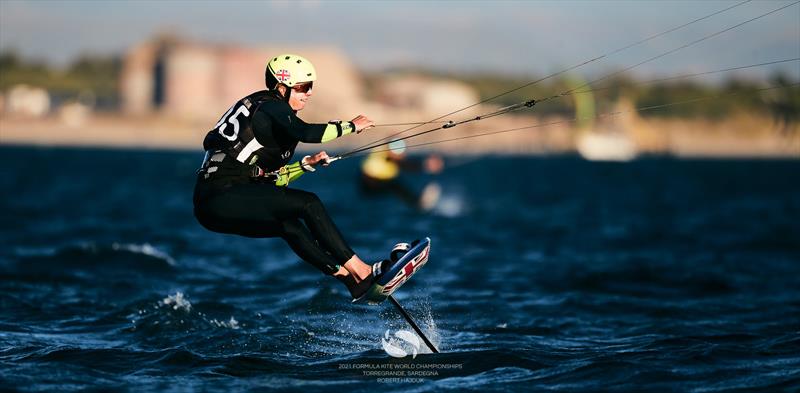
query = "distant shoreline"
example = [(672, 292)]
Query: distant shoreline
[(676, 138)]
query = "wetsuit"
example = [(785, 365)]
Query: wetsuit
[(242, 185)]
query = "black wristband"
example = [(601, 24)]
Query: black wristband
[(338, 125)]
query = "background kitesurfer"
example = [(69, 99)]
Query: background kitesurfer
[(381, 174)]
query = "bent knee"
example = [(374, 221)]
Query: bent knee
[(311, 198), (292, 229), (311, 202)]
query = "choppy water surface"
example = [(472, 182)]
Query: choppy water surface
[(546, 274)]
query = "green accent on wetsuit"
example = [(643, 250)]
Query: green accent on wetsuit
[(289, 173), (337, 129)]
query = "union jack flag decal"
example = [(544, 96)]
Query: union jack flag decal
[(283, 75), (409, 269)]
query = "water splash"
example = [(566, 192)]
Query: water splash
[(177, 309), (428, 322), (177, 302), (231, 324), (423, 314)]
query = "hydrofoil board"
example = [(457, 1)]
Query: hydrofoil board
[(406, 260)]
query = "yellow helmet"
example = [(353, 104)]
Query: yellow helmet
[(289, 70)]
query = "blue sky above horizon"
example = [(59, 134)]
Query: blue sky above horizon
[(506, 37)]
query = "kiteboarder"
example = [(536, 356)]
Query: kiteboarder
[(242, 185)]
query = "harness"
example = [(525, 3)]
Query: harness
[(212, 162), (232, 150)]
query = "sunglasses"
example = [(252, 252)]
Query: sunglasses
[(304, 88)]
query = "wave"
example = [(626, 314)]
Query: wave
[(91, 248), (89, 259), (144, 249)]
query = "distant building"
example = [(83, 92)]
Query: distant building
[(199, 81), (431, 96), (29, 101)]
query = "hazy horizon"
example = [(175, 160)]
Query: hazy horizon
[(514, 38)]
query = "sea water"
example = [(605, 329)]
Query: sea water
[(546, 273)]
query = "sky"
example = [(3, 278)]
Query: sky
[(514, 38)]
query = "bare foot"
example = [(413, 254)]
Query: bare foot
[(357, 268), (354, 276), (346, 278)]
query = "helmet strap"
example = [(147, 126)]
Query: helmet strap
[(287, 91)]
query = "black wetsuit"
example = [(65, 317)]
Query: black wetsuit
[(233, 196)]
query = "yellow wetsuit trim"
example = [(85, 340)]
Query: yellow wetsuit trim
[(336, 129), (289, 173)]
